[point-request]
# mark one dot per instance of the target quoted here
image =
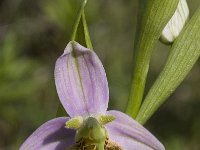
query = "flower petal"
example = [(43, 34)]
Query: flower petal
[(51, 136), (81, 81), (130, 134)]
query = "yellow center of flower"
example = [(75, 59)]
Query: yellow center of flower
[(92, 135)]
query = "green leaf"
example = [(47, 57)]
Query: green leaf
[(153, 16), (183, 55)]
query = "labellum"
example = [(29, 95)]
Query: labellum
[(92, 135)]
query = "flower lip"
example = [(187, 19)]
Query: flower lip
[(91, 133)]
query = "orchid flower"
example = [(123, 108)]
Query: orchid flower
[(176, 23), (82, 87)]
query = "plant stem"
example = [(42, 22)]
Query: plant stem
[(73, 37), (153, 16)]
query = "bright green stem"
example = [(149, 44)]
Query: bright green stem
[(87, 35), (81, 10), (183, 55), (80, 31), (153, 16)]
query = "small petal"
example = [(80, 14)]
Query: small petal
[(50, 136), (176, 23), (81, 81), (130, 134)]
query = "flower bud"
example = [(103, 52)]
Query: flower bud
[(176, 23)]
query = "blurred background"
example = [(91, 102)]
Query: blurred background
[(33, 33)]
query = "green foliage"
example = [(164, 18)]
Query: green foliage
[(183, 55), (151, 21), (80, 32), (82, 35)]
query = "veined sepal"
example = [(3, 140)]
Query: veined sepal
[(176, 23), (80, 34)]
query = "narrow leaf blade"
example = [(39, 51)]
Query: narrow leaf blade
[(152, 19), (183, 55)]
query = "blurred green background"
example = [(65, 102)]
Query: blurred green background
[(33, 33)]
